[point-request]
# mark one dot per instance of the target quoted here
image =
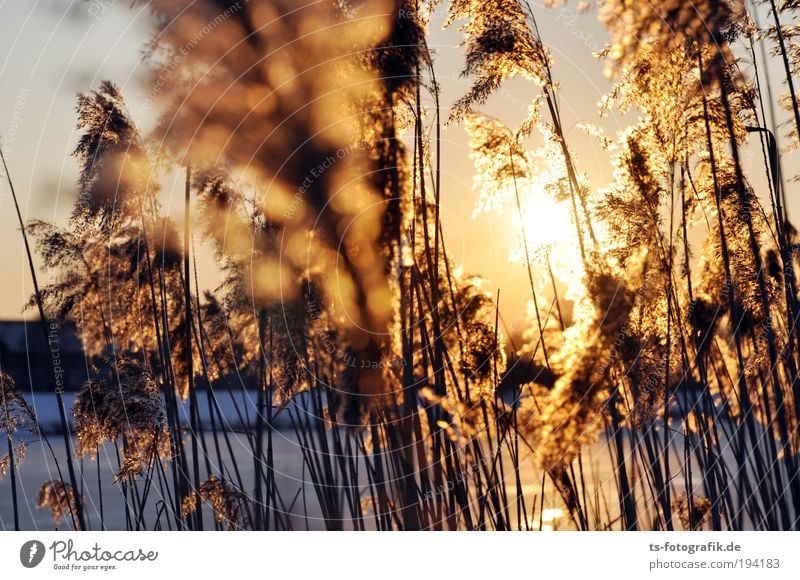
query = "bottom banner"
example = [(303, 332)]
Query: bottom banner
[(353, 555)]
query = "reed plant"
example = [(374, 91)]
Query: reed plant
[(655, 385)]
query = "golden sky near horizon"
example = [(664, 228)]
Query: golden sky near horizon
[(55, 48)]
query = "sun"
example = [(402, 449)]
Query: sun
[(549, 230)]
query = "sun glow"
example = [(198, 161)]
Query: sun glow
[(549, 519), (549, 230)]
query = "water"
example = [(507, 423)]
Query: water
[(238, 413), (298, 496), (39, 467)]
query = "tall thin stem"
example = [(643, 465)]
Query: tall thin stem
[(62, 414)]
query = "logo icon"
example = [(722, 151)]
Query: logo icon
[(31, 553)]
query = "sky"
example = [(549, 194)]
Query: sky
[(53, 49)]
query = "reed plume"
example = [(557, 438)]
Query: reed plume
[(59, 498)]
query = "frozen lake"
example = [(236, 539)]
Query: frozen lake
[(237, 410), (297, 493)]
